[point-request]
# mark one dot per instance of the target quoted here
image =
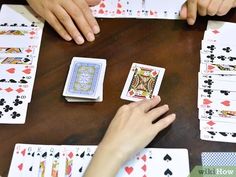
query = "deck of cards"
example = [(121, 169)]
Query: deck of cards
[(143, 81), (154, 9), (50, 160), (20, 38), (217, 83), (84, 82)]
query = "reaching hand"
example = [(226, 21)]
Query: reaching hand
[(72, 19), (191, 8)]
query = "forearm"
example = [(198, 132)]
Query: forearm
[(105, 163)]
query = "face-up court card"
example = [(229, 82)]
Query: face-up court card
[(143, 81), (85, 78)]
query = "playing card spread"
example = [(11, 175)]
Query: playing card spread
[(20, 37), (143, 81), (217, 83), (85, 80), (154, 9), (67, 160)]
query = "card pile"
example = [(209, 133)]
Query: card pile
[(20, 38), (217, 83), (150, 9), (227, 159), (59, 161), (143, 81), (85, 79)]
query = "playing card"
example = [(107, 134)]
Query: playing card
[(85, 78), (29, 160), (211, 125), (17, 163), (217, 94), (13, 109), (169, 162), (19, 15), (143, 81), (219, 31), (218, 69), (27, 60), (218, 159), (120, 8), (106, 8), (222, 77), (26, 50), (219, 58), (218, 136)]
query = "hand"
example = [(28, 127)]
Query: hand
[(131, 129), (69, 18), (205, 7)]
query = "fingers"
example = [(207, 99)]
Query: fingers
[(192, 11), (67, 22), (157, 112), (53, 21), (163, 123), (202, 6), (225, 7), (183, 11), (88, 16), (213, 7), (146, 105)]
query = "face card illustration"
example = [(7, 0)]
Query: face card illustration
[(17, 163), (143, 82), (21, 16), (27, 60), (217, 69), (27, 50)]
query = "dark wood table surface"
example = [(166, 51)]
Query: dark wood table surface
[(170, 44)]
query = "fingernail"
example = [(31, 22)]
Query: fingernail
[(167, 106), (96, 29), (190, 21), (90, 36), (174, 115), (67, 37), (79, 40)]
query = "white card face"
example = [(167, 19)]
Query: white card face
[(85, 78), (217, 115), (220, 31), (218, 136), (106, 8), (19, 15), (17, 163), (13, 109), (143, 81), (211, 125), (229, 78), (29, 160), (218, 58)]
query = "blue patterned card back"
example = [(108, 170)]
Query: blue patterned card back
[(84, 78), (218, 159)]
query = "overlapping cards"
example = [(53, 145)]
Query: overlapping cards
[(20, 37), (59, 161), (143, 81), (85, 79), (217, 83), (153, 9)]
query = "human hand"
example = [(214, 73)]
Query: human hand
[(132, 127), (69, 18), (205, 7)]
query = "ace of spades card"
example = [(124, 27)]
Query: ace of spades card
[(143, 81)]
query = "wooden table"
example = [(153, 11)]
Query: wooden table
[(170, 44)]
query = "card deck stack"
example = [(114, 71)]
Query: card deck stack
[(227, 159), (217, 83), (20, 37), (84, 82), (143, 81), (60, 161), (150, 9)]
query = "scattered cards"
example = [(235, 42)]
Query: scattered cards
[(217, 83), (50, 160), (20, 37), (84, 82), (154, 9), (143, 81)]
